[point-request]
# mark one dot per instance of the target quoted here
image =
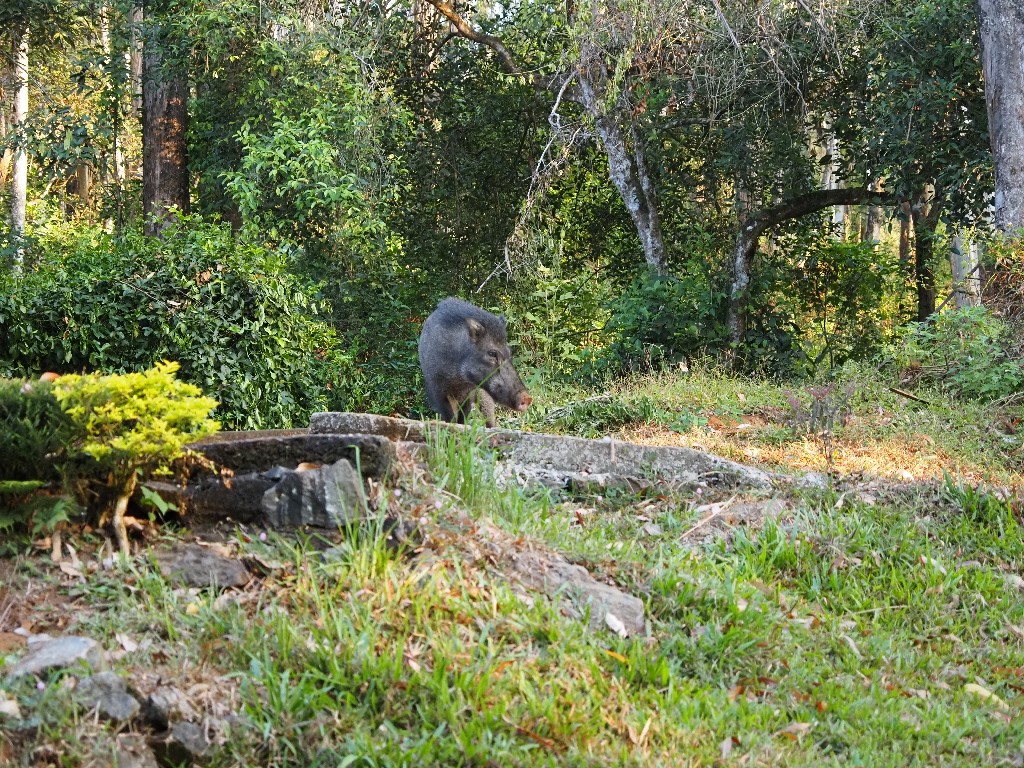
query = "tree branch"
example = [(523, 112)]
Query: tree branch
[(815, 201), (465, 30)]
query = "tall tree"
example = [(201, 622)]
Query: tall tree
[(165, 180), (915, 115), (1001, 25), (19, 186)]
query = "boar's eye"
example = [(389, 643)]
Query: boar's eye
[(492, 356)]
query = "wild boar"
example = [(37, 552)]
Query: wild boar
[(465, 358)]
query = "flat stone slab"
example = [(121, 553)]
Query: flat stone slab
[(334, 423), (258, 451), (58, 653), (567, 461), (614, 462), (196, 566)]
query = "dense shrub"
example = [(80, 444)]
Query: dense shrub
[(127, 426), (96, 434), (657, 321), (965, 351), (244, 330), (33, 431), (843, 293)]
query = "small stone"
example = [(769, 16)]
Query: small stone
[(107, 693), (557, 577), (196, 566), (166, 703), (133, 752), (59, 653), (183, 744)]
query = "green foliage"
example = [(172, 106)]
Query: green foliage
[(555, 318), (133, 422), (965, 350), (290, 132), (243, 329), (35, 514), (983, 508), (843, 289), (918, 116), (657, 322), (33, 431), (596, 416)]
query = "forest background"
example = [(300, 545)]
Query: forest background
[(275, 194)]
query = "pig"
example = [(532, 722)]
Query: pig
[(465, 358)]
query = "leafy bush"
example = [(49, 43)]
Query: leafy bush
[(655, 322), (555, 319), (33, 431), (124, 426), (243, 329), (842, 290), (964, 350), (96, 434)]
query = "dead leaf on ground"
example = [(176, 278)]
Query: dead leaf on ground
[(70, 570), (985, 694), (794, 731), (9, 707), (725, 748), (614, 623), (639, 738)]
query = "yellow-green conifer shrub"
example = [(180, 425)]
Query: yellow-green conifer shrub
[(127, 425)]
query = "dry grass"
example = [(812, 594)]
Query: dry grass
[(856, 452)]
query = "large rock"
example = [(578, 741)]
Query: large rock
[(257, 451), (557, 460), (58, 653), (237, 498), (611, 462), (328, 497), (332, 423)]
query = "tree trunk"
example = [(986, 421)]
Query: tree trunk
[(19, 185), (963, 261), (83, 175), (757, 223), (830, 180), (873, 216), (6, 76), (135, 58), (1001, 28), (925, 212), (905, 221), (627, 169), (164, 126)]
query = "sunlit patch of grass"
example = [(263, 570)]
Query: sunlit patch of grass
[(884, 434)]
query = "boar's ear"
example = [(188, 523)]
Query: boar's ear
[(503, 323), (476, 331)]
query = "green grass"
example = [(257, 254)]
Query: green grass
[(848, 631)]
